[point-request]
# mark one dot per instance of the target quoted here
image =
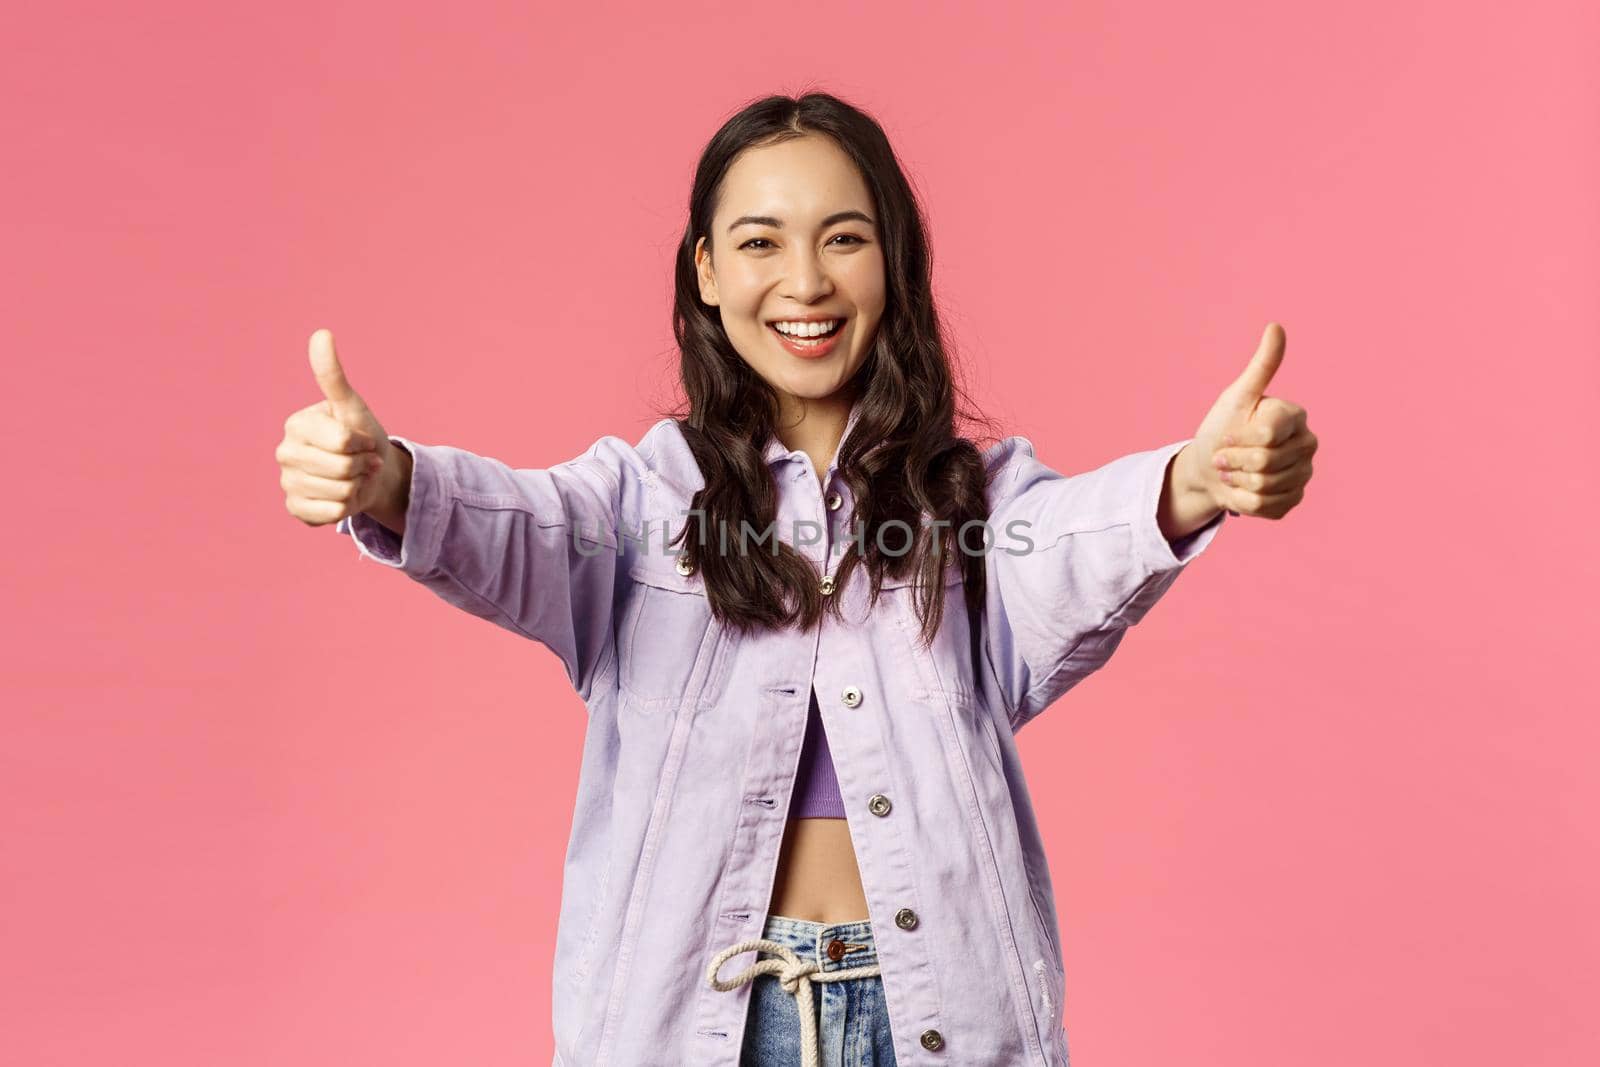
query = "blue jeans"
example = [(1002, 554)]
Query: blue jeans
[(851, 1017)]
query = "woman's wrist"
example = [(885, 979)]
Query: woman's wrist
[(1186, 499), (395, 498)]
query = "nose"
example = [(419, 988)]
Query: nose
[(806, 279)]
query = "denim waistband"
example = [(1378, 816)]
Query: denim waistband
[(814, 941), (800, 953)]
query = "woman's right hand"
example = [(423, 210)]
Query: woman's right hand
[(336, 459)]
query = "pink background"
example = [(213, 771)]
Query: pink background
[(263, 803)]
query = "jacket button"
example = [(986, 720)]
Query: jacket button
[(932, 1040), (878, 804), (834, 500), (827, 584), (905, 919), (851, 696), (685, 568)]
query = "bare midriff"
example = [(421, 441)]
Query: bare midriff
[(817, 875)]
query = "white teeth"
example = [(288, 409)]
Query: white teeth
[(805, 329)]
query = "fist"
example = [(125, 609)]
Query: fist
[(335, 458), (1252, 452)]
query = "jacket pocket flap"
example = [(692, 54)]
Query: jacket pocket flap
[(661, 570)]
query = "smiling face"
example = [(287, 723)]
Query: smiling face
[(795, 238)]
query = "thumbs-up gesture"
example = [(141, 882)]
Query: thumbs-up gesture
[(336, 459), (1252, 452)]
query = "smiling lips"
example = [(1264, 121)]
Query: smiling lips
[(810, 347)]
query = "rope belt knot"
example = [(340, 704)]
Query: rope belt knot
[(795, 975)]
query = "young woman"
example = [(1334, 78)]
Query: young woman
[(807, 619)]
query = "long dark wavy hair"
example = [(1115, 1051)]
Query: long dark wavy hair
[(902, 459)]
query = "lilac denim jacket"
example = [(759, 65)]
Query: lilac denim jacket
[(694, 733)]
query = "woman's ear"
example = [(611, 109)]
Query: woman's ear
[(702, 266)]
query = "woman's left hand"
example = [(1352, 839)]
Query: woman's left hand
[(1252, 451)]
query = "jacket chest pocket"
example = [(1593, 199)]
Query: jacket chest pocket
[(945, 665), (661, 632)]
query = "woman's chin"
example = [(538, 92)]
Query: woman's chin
[(809, 386), (815, 381), (800, 379)]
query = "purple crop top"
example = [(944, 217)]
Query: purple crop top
[(816, 786)]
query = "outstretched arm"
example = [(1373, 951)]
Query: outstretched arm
[(532, 550)]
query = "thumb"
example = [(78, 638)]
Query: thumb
[(1250, 386), (345, 401)]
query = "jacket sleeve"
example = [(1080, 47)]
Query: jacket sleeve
[(533, 551), (1076, 561)]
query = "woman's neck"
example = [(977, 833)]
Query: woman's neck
[(815, 427)]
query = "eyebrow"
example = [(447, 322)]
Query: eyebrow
[(777, 224)]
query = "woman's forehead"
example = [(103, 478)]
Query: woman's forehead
[(795, 183)]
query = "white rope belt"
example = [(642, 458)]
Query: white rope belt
[(795, 976)]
